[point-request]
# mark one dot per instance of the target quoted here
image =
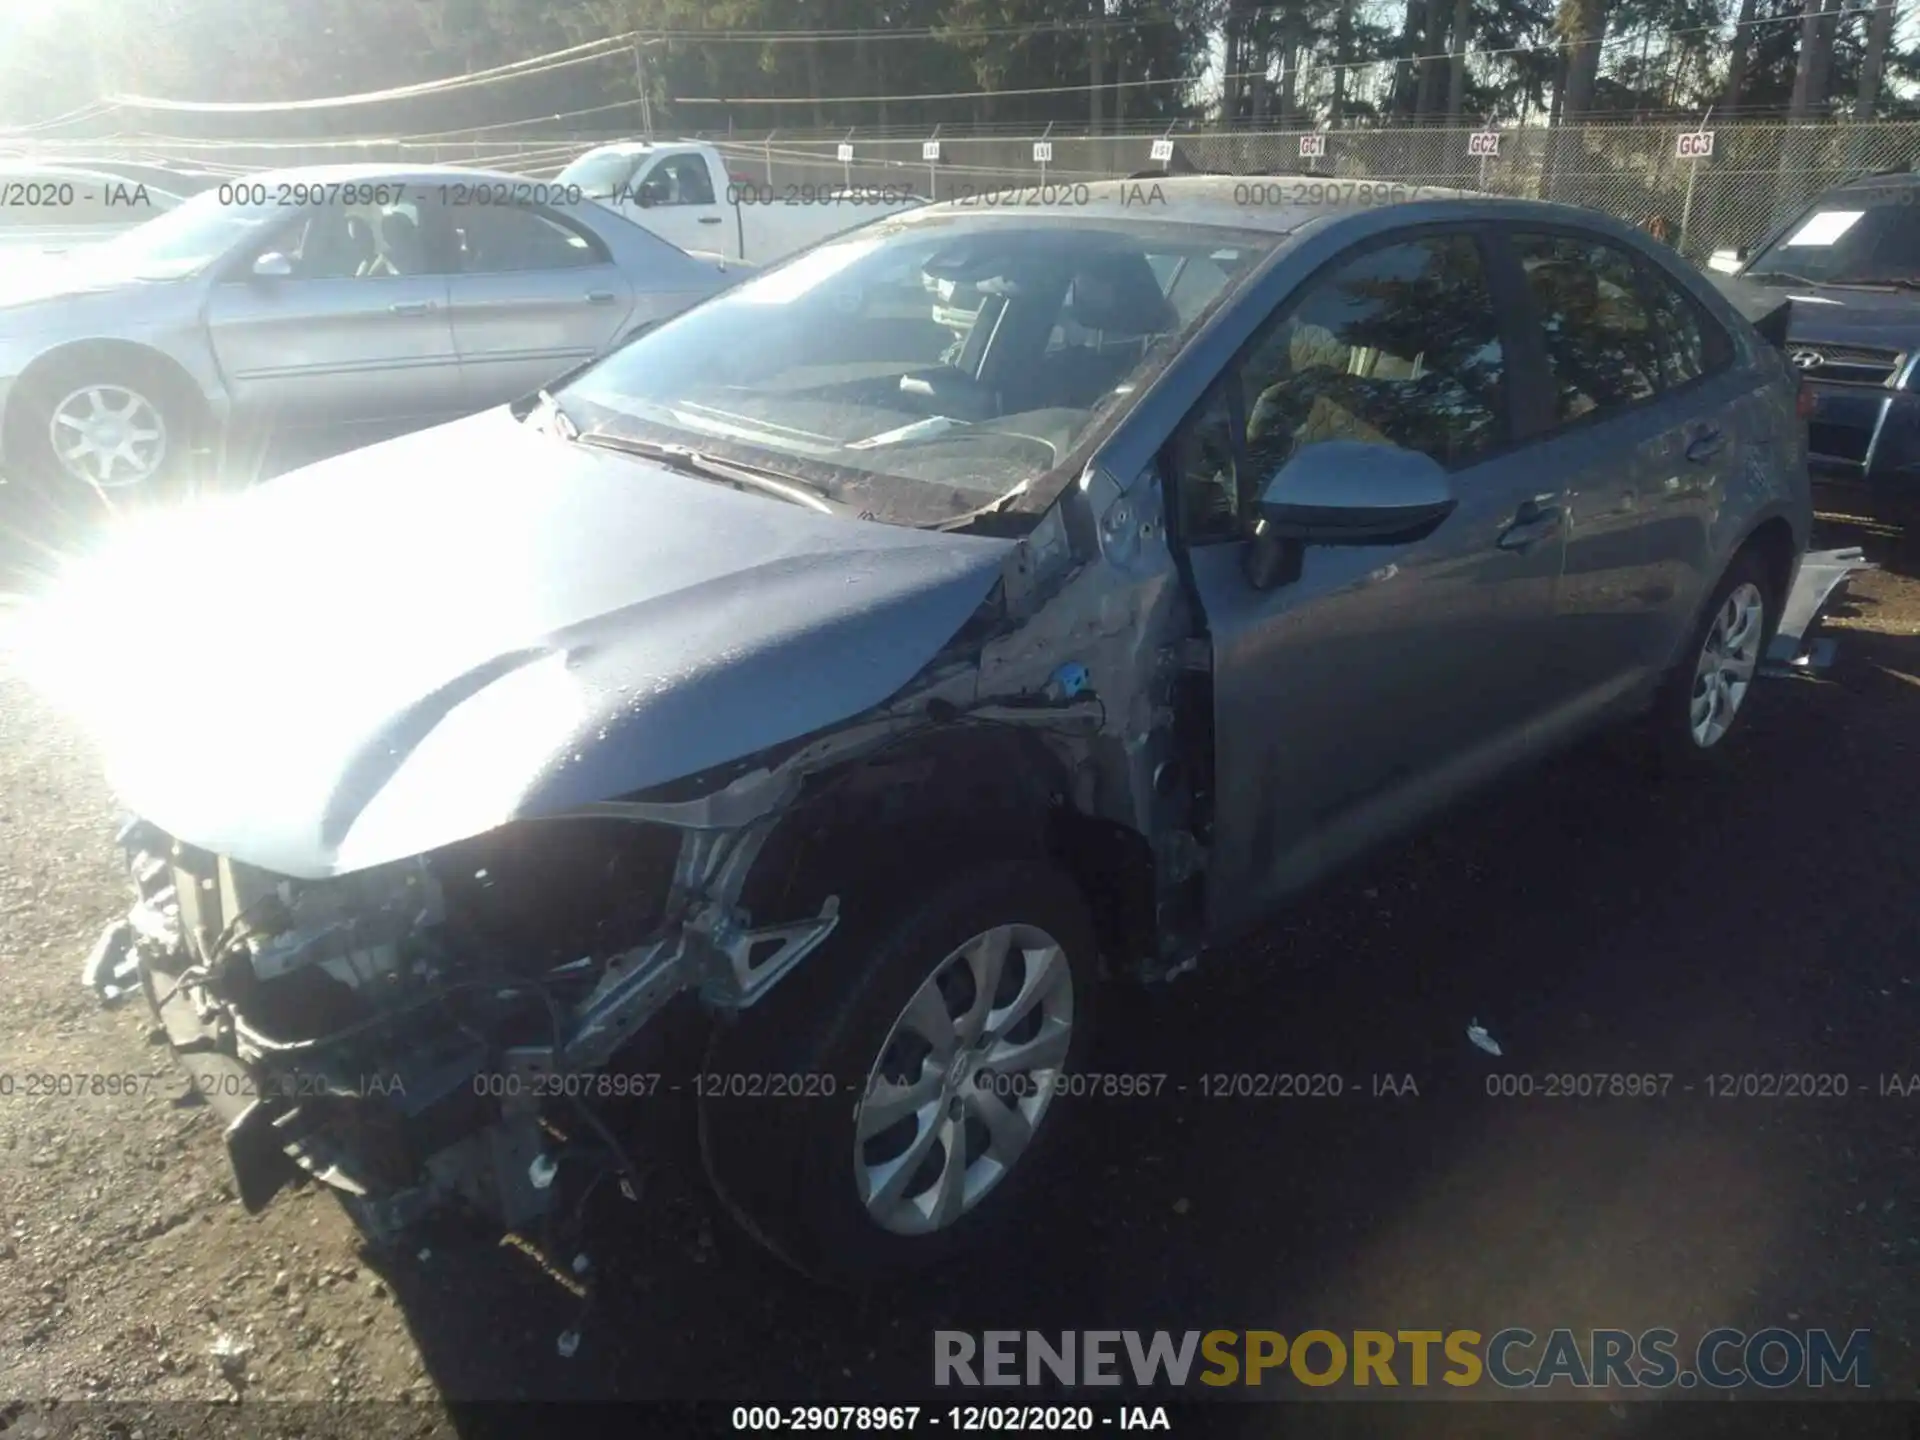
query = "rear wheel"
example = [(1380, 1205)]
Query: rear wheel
[(1706, 695), (924, 1061)]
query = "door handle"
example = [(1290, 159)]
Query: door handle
[(600, 297), (412, 307), (709, 219), (1534, 521), (1704, 446)]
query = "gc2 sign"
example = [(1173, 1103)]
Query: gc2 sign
[(1312, 147), (1482, 143), (1698, 145)]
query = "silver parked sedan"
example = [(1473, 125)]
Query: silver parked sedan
[(340, 299)]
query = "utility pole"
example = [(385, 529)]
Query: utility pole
[(646, 101)]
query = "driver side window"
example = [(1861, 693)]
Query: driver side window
[(369, 241), (1398, 345), (678, 180)]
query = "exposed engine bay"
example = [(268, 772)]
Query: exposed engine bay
[(424, 1032)]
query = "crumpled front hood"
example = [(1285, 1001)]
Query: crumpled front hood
[(410, 644)]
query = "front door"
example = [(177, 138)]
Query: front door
[(1386, 677), (357, 332), (673, 196)]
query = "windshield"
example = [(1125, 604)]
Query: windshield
[(919, 371), (1851, 237), (600, 173), (184, 241)]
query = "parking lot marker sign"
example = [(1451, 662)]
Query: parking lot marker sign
[(1312, 147), (1693, 145), (1483, 143), (1162, 151), (929, 149), (1042, 151), (844, 153)]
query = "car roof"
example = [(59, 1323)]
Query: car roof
[(374, 170), (1242, 202)]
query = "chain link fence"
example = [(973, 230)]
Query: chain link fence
[(1756, 177)]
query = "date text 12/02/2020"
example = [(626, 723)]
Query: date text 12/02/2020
[(960, 1419)]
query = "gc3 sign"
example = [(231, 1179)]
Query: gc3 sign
[(1697, 145)]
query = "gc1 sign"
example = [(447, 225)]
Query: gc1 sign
[(1312, 147), (1042, 151), (929, 149), (1695, 146), (1162, 150), (1483, 143)]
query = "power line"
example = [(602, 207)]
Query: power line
[(1310, 67), (518, 69), (624, 43)]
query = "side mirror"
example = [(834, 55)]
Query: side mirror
[(272, 266), (1344, 492)]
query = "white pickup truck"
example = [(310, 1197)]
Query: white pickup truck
[(683, 191)]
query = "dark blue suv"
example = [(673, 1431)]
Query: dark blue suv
[(1851, 264)]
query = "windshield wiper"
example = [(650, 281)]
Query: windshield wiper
[(1896, 282), (563, 423), (1786, 275), (1852, 282), (688, 461)]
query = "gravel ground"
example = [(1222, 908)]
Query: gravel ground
[(1763, 922)]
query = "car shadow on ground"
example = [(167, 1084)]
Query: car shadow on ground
[(1592, 918)]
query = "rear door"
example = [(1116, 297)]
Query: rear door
[(1637, 412), (535, 293), (358, 331), (1387, 676)]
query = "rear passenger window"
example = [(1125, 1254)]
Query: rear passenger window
[(1692, 344), (1601, 341)]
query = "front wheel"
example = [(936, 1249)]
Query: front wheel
[(93, 431), (925, 1058)]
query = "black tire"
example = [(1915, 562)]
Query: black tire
[(1677, 750), (785, 1166), (31, 461)]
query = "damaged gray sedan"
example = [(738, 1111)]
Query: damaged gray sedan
[(875, 680)]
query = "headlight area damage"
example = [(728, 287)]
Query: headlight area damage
[(405, 1033), (404, 941)]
